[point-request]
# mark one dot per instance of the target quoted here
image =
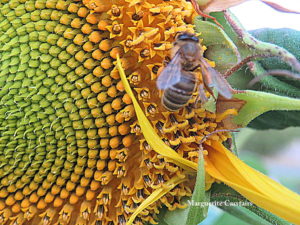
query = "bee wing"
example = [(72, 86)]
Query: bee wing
[(171, 74), (213, 78)]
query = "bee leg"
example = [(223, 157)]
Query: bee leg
[(166, 61), (229, 142), (201, 96), (210, 91)]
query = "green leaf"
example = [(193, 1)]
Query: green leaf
[(220, 47), (210, 105), (198, 213), (276, 120), (227, 218), (270, 41), (248, 45), (272, 84), (261, 102), (277, 84), (176, 217), (285, 38)]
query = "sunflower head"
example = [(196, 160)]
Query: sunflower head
[(72, 150)]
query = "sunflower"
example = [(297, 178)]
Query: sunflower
[(84, 141)]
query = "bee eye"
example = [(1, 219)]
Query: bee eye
[(175, 43)]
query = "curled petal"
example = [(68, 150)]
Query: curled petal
[(157, 194), (152, 138), (255, 186)]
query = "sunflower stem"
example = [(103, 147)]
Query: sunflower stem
[(234, 146), (270, 217), (223, 193), (244, 215), (260, 46)]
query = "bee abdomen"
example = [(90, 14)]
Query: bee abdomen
[(179, 94)]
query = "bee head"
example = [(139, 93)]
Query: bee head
[(185, 36)]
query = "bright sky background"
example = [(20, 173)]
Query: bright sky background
[(254, 14)]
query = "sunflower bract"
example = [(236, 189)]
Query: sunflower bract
[(71, 151)]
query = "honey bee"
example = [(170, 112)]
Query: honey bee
[(178, 79)]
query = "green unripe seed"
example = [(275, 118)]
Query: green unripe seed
[(35, 15), (55, 63), (43, 35), (40, 25), (16, 23), (56, 15), (44, 66), (64, 56), (25, 18), (34, 63), (20, 10), (25, 59), (73, 63), (44, 48), (63, 69), (13, 4), (40, 4), (51, 72), (11, 16), (4, 25), (5, 9), (49, 96), (45, 14), (33, 36), (30, 27), (25, 49), (14, 61), (14, 68), (48, 82), (45, 58), (60, 29), (50, 26), (19, 76), (29, 6), (54, 51), (4, 38), (15, 52), (63, 43), (60, 80), (52, 39), (49, 111)]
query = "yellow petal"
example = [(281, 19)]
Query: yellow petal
[(149, 133), (253, 185)]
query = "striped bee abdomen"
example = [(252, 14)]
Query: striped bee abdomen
[(176, 96)]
